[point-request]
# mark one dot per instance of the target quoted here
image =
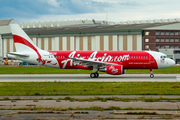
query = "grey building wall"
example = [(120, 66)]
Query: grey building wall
[(0, 46), (168, 52), (4, 29), (1, 60), (172, 53)]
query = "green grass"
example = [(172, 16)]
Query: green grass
[(39, 70), (85, 88), (92, 88), (46, 70)]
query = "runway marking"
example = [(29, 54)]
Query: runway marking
[(23, 103), (109, 103), (86, 103), (43, 103), (130, 103), (64, 103)]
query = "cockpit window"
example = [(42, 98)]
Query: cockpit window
[(163, 56)]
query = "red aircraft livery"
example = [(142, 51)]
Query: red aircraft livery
[(111, 62)]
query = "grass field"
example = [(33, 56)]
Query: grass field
[(46, 70), (85, 88), (89, 88)]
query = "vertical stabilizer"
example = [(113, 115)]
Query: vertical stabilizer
[(21, 39), (24, 45)]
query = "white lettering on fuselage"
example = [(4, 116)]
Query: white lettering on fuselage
[(113, 70), (93, 57)]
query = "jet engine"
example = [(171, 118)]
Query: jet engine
[(114, 69)]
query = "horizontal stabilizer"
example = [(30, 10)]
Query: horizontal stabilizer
[(18, 54)]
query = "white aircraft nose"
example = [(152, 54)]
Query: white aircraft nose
[(171, 62)]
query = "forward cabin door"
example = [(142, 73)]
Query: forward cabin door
[(151, 59)]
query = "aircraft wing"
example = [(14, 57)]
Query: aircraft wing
[(89, 63)]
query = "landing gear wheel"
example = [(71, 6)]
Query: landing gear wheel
[(151, 75), (92, 75), (97, 75)]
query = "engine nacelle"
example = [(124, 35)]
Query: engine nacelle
[(114, 69)]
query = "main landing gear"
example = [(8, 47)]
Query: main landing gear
[(151, 73), (94, 75)]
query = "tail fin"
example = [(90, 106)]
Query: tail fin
[(24, 45), (21, 39)]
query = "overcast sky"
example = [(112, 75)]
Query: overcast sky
[(117, 10)]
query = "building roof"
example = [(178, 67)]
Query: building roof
[(6, 22), (172, 26), (64, 23), (92, 27), (96, 28)]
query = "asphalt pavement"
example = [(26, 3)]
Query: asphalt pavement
[(86, 78)]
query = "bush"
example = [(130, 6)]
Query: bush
[(58, 100), (36, 93), (49, 98), (67, 98), (6, 98), (35, 100), (175, 86)]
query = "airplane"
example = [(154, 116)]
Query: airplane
[(111, 62)]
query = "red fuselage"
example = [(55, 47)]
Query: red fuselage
[(129, 59)]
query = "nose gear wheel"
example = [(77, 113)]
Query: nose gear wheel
[(151, 75)]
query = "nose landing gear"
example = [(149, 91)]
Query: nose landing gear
[(151, 74)]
